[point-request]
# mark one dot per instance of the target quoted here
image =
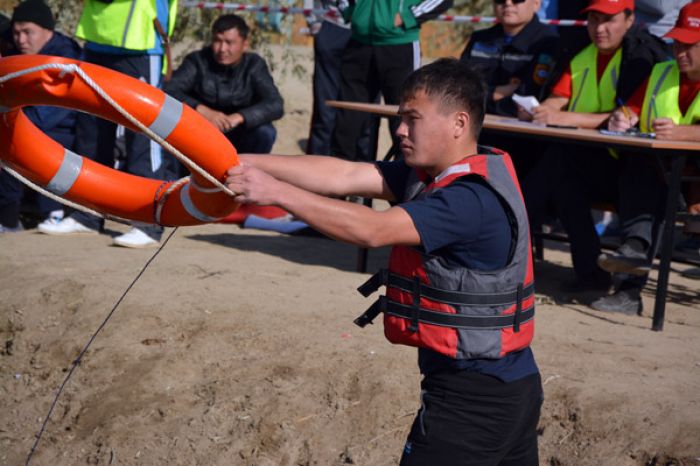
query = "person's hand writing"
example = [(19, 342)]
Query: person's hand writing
[(545, 115), (619, 121), (523, 115), (665, 128), (253, 186), (216, 118)]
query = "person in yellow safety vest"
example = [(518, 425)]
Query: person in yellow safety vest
[(668, 104), (132, 38), (569, 178), (585, 94)]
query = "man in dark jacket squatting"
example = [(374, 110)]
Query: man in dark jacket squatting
[(231, 87)]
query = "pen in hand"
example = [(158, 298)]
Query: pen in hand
[(623, 107)]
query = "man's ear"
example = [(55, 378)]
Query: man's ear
[(462, 123)]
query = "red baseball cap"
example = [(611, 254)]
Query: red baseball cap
[(687, 28), (609, 7)]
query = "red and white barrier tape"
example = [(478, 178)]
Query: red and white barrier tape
[(320, 12)]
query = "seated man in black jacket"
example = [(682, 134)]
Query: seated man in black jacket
[(231, 87)]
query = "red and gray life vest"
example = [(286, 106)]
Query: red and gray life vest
[(448, 308)]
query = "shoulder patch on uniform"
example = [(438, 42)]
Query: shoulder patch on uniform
[(542, 69)]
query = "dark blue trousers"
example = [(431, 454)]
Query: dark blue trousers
[(329, 45), (258, 140), (96, 137), (571, 178), (12, 191)]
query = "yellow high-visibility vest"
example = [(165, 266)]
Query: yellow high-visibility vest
[(588, 95), (126, 24), (662, 95)]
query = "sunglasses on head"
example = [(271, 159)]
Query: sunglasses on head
[(503, 2)]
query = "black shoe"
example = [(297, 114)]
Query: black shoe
[(693, 272), (625, 260), (598, 281), (624, 302)]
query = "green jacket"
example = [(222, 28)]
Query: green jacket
[(372, 21)]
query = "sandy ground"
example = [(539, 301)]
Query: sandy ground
[(236, 347)]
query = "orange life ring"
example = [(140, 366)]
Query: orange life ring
[(40, 159)]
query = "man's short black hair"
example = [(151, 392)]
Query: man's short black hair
[(458, 86), (225, 22)]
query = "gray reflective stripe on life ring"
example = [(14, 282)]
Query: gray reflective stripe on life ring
[(202, 189), (4, 109), (67, 173), (168, 118), (191, 208)]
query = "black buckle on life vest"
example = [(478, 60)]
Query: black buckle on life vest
[(373, 311), (375, 281), (415, 308), (518, 308)]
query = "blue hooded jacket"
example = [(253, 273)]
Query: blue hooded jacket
[(58, 123)]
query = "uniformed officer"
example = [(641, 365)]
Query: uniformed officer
[(515, 55)]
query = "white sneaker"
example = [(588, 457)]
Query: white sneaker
[(65, 227), (135, 238), (53, 219), (58, 214)]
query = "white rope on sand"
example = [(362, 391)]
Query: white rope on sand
[(75, 69)]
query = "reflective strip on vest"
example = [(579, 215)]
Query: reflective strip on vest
[(590, 96), (662, 96), (67, 173)]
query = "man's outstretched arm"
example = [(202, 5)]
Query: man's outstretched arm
[(328, 176), (344, 221)]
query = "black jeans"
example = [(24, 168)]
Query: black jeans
[(470, 419), (368, 71)]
